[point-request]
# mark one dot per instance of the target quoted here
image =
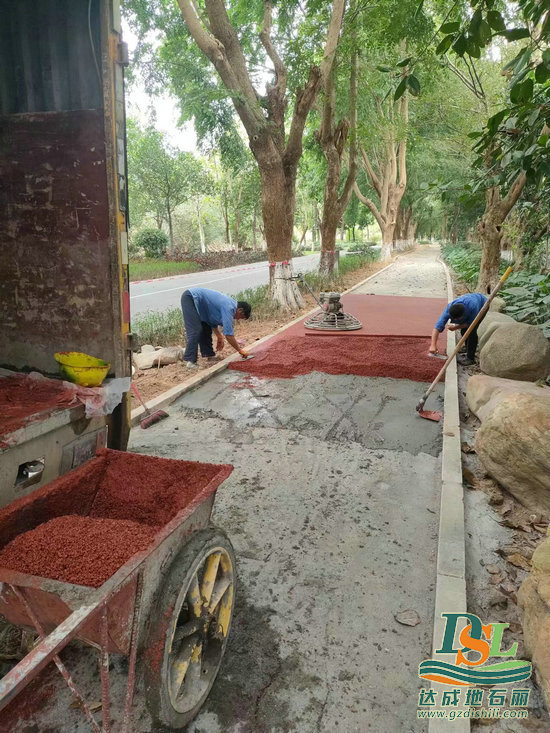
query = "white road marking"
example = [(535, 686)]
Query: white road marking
[(194, 285)]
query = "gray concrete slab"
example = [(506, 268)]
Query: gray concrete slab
[(416, 274), (333, 509), (377, 412), (332, 541)]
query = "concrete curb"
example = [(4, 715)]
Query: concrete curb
[(450, 589), (166, 398)]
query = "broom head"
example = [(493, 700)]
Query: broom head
[(153, 418)]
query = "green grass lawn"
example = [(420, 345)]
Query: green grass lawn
[(149, 269)]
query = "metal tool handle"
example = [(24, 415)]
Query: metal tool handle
[(469, 330)]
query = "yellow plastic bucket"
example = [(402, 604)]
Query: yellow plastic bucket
[(82, 368)]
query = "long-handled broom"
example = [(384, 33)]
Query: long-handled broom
[(152, 417), (435, 415)]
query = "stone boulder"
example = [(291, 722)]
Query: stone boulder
[(148, 358), (516, 351), (534, 602), (484, 393), (513, 444), (497, 304), (489, 325)]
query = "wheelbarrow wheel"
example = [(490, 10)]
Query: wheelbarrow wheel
[(188, 630)]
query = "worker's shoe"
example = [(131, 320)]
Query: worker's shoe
[(464, 360), (191, 365)]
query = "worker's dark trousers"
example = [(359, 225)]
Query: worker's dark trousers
[(471, 343), (197, 332)]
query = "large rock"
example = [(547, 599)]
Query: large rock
[(489, 325), (484, 393), (513, 443), (534, 601), (497, 304), (148, 358), (516, 351)]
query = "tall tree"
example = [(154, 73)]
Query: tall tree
[(263, 117), (332, 137), (387, 172), (510, 147), (161, 178)]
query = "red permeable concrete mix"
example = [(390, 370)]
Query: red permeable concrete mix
[(75, 549), (384, 315), (289, 356), (23, 399), (122, 501)]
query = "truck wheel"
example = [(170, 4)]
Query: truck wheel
[(189, 627)]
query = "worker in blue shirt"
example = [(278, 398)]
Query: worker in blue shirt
[(461, 312), (204, 311)]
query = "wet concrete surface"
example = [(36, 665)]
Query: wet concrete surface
[(375, 412), (332, 540), (333, 511)]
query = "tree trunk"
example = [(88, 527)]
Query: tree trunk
[(387, 241), (254, 234), (303, 238), (201, 227), (170, 230), (237, 230), (225, 212), (278, 197), (328, 263), (332, 139), (491, 232)]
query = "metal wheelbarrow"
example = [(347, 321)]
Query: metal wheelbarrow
[(169, 608)]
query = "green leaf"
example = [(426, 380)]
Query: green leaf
[(546, 57), (533, 117), (384, 68), (475, 134), (444, 45), (413, 84), (473, 49), (484, 33), (451, 27), (522, 92), (401, 87), (542, 74), (516, 34), (475, 22), (494, 121), (496, 21), (419, 8), (543, 139), (404, 62), (459, 46)]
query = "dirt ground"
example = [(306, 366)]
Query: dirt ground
[(152, 382)]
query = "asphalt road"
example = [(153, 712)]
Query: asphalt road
[(165, 293)]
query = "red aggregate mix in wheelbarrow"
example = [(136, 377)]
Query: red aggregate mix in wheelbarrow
[(151, 494), (23, 398), (397, 357), (75, 549), (93, 519)]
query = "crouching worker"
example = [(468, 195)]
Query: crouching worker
[(204, 311), (461, 312)]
